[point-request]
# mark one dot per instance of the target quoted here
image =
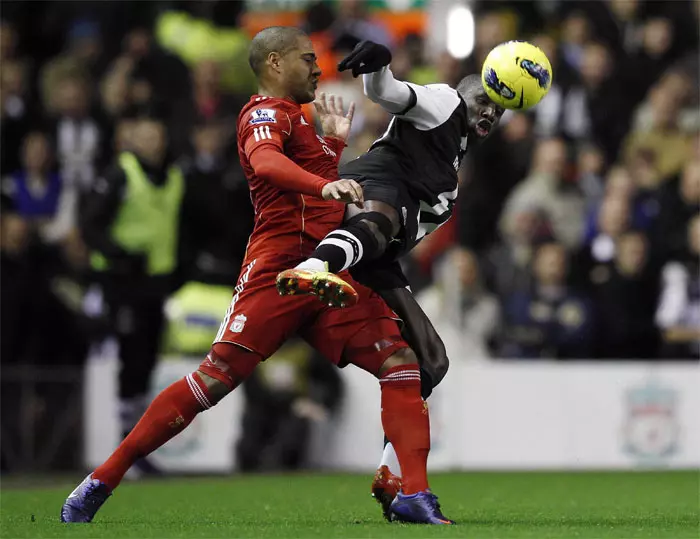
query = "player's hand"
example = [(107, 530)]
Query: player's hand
[(334, 122), (366, 57), (346, 191)]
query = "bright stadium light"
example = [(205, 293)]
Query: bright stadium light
[(460, 32)]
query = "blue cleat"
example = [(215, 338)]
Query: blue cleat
[(85, 501), (419, 508)]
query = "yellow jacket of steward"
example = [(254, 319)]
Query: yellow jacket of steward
[(145, 220)]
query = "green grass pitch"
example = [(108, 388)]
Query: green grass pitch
[(486, 505)]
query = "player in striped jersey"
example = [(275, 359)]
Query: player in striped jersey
[(409, 182)]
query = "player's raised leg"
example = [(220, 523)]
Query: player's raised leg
[(168, 415), (364, 236)]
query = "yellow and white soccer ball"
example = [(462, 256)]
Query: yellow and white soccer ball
[(516, 75)]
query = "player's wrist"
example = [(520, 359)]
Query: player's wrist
[(324, 192), (338, 140)]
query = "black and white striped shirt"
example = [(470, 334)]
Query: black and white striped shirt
[(422, 148)]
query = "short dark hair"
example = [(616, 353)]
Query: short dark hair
[(280, 39)]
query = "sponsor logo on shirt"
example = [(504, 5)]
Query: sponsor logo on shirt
[(261, 116)]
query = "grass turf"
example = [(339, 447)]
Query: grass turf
[(504, 505)]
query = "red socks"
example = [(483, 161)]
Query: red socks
[(406, 424), (169, 414)]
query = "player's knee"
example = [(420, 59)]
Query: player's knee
[(381, 239), (378, 228), (404, 356), (216, 389), (225, 367)]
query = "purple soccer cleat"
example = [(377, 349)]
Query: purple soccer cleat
[(419, 508), (85, 501)]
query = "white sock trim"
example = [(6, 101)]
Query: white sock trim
[(345, 246), (360, 249), (197, 392), (313, 264), (390, 460)]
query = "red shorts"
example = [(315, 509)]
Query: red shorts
[(261, 320)]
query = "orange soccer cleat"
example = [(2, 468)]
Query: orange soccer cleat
[(385, 487), (329, 288)]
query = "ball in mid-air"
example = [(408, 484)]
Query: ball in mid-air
[(516, 75)]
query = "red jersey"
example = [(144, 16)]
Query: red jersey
[(287, 223)]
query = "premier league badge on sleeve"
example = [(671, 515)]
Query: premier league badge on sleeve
[(262, 116)]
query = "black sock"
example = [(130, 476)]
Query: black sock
[(346, 246)]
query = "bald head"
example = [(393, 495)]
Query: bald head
[(469, 83), (279, 39), (483, 114)]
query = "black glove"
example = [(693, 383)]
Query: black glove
[(366, 57)]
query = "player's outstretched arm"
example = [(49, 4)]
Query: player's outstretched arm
[(372, 60), (273, 166)]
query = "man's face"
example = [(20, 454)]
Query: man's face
[(483, 114), (631, 253), (72, 99), (150, 139), (300, 72), (694, 235), (550, 264), (36, 152)]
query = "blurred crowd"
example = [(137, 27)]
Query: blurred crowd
[(577, 232), (578, 228)]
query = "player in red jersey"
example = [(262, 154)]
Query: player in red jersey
[(298, 199)]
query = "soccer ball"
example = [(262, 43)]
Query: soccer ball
[(516, 75)]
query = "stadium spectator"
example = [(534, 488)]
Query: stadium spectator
[(463, 309), (548, 188), (678, 84), (644, 206), (678, 202), (575, 33), (166, 72), (285, 398), (354, 24), (678, 313), (560, 108), (590, 169), (666, 146), (491, 173), (206, 103), (115, 91), (81, 138), (613, 218), (39, 194), (17, 111), (217, 214), (551, 320), (41, 258), (130, 224), (625, 292), (619, 23), (82, 59), (645, 66), (509, 261)]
